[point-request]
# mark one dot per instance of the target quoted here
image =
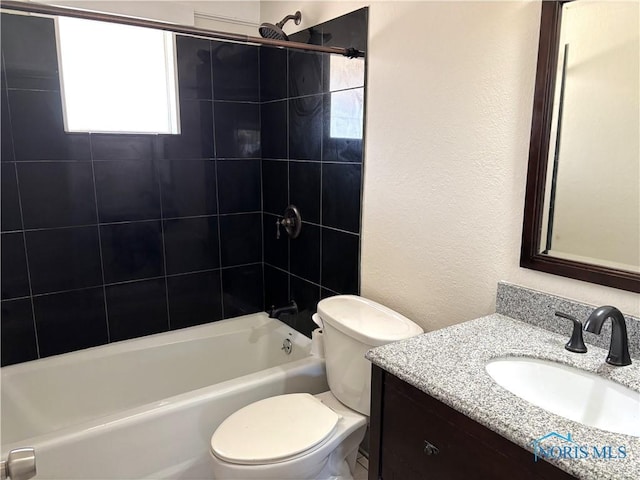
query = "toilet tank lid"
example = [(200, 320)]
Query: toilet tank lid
[(365, 320)]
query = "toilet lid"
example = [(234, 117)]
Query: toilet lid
[(273, 430)]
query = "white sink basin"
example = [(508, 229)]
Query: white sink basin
[(571, 393)]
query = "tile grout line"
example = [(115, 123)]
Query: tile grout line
[(126, 282), (288, 73), (95, 199), (24, 235), (321, 173), (215, 154), (322, 226), (26, 258), (262, 235), (164, 245)]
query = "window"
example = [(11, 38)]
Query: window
[(117, 78), (347, 102)]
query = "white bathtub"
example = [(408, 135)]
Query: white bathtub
[(146, 408)]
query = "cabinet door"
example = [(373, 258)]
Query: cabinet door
[(423, 438)]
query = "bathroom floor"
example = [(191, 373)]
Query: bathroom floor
[(362, 468)]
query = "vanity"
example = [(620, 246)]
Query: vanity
[(436, 411), (421, 437)]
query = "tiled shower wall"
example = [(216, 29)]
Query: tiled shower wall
[(312, 148), (107, 237)]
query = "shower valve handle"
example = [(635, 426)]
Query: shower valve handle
[(286, 223), (291, 221)]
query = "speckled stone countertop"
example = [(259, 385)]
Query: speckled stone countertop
[(449, 365)]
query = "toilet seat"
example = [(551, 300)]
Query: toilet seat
[(274, 430)]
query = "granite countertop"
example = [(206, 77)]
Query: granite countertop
[(449, 365)]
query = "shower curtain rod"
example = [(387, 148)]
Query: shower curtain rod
[(183, 29)]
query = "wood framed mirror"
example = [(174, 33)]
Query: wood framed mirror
[(539, 231)]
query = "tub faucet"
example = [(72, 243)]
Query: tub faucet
[(619, 347), (290, 309)]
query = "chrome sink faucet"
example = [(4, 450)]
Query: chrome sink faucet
[(619, 347)]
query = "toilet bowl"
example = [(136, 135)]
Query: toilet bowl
[(328, 449), (302, 436)]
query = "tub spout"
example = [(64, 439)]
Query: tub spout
[(290, 309)]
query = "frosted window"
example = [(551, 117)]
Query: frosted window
[(347, 103), (117, 78), (346, 114)]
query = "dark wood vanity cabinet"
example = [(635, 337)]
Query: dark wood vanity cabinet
[(414, 436)]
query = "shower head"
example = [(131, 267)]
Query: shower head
[(275, 32)]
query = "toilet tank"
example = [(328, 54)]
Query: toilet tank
[(352, 325)]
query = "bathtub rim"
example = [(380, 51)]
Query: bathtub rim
[(195, 332), (171, 403)]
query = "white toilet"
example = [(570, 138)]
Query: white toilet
[(302, 436)]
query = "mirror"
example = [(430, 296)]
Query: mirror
[(582, 204)]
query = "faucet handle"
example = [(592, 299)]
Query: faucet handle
[(575, 343)]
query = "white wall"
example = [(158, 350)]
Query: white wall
[(239, 16), (449, 101)]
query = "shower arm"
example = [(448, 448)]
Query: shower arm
[(296, 18), (44, 9)]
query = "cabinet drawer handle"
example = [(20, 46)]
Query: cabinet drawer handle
[(430, 449)]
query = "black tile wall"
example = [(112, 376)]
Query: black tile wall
[(305, 73), (240, 239), (273, 74), (341, 185), (6, 151), (237, 130), (122, 147), (305, 128), (70, 321), (276, 287), (191, 244), (15, 278), (194, 68), (188, 187), (340, 261), (273, 129), (63, 258), (319, 107), (107, 237), (304, 189), (57, 194), (195, 139), (276, 250), (305, 254), (127, 190), (10, 215), (38, 129), (235, 72), (239, 186), (30, 57), (132, 251), (195, 298), (243, 289), (137, 309), (275, 192), (17, 325)]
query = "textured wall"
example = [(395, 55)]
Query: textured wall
[(450, 93)]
